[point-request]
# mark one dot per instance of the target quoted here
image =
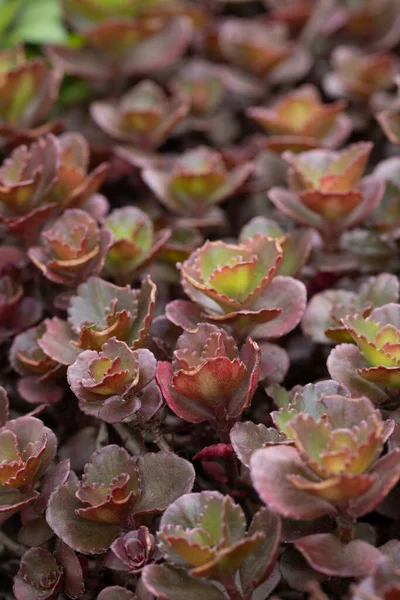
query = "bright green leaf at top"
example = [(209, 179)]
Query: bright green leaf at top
[(39, 22)]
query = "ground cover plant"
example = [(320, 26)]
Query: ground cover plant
[(200, 300)]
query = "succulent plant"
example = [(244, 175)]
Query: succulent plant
[(372, 364), (205, 533), (119, 48), (17, 312), (209, 379), (48, 175), (135, 242), (115, 383), (197, 182), (98, 312), (29, 89), (27, 449), (386, 217), (72, 248), (42, 575), (145, 116), (334, 466), (115, 489), (262, 49), (322, 318), (164, 375), (371, 21), (300, 121), (236, 285), (326, 190), (296, 245), (132, 552), (206, 86), (359, 75), (39, 373)]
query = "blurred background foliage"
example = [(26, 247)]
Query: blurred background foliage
[(31, 22)]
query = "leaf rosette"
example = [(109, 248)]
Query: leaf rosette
[(38, 371), (236, 285), (90, 514), (29, 89), (359, 75), (205, 534), (27, 449), (72, 248), (118, 48), (145, 116), (48, 176), (322, 320), (300, 121), (375, 360), (112, 384), (132, 552), (209, 379), (196, 183), (135, 243), (263, 50), (100, 311), (326, 190), (334, 466)]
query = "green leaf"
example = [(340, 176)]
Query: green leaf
[(40, 22)]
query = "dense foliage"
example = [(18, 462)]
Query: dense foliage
[(199, 300)]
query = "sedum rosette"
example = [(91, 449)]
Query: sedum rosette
[(135, 243), (145, 116), (196, 183), (119, 48), (209, 379), (322, 320), (49, 175), (42, 575), (29, 89), (72, 248), (300, 121), (204, 537), (296, 245), (237, 285), (88, 515), (359, 75), (373, 364), (262, 49), (100, 311), (326, 190), (334, 466), (27, 449), (115, 383), (39, 373), (132, 552)]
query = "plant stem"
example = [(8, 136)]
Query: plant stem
[(102, 436), (13, 547), (160, 440), (232, 590), (130, 441), (230, 461), (345, 529)]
